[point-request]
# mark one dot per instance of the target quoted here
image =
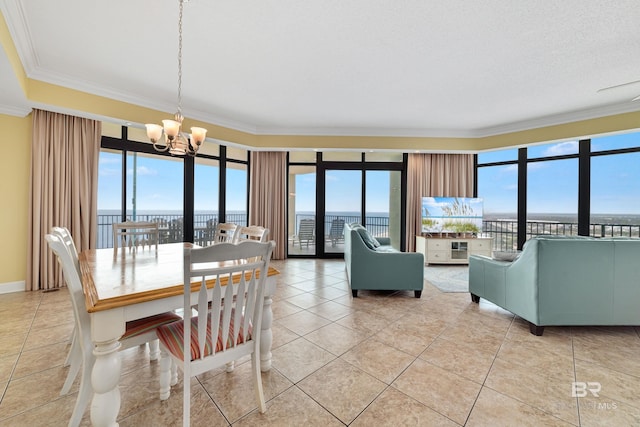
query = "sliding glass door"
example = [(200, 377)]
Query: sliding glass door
[(301, 225), (343, 204), (383, 201)]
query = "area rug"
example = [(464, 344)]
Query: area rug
[(448, 278)]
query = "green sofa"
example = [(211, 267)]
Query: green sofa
[(560, 280), (372, 263)]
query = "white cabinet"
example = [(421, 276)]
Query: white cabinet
[(452, 250)]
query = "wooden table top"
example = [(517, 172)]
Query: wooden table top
[(133, 277)]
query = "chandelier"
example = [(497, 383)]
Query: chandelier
[(175, 141)]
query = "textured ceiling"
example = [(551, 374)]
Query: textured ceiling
[(357, 67)]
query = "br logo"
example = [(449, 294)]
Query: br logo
[(581, 389)]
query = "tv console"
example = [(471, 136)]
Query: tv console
[(452, 250)]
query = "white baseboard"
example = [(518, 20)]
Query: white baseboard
[(10, 287)]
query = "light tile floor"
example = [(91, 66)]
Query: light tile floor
[(382, 359)]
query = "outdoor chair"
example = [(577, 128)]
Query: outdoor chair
[(307, 232), (336, 232)]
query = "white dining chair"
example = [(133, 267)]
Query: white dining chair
[(74, 357), (225, 232), (253, 232), (131, 234), (137, 332), (231, 327)]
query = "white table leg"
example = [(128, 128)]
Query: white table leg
[(267, 335), (104, 380)]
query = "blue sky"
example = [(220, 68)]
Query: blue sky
[(552, 185), (159, 184)]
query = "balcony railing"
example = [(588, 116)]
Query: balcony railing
[(505, 232), (378, 226), (171, 227), (205, 224)]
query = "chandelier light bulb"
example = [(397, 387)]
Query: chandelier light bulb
[(154, 132), (198, 135), (171, 128)]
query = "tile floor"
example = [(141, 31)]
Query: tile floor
[(380, 359)]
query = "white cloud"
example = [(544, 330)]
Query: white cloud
[(536, 166), (109, 160), (143, 171), (569, 147), (108, 172)]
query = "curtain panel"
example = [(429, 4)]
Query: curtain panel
[(434, 175), (63, 190), (267, 196)]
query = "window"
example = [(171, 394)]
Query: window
[(615, 142), (155, 192), (552, 150), (497, 156), (205, 199), (383, 201), (236, 193), (498, 187), (109, 195), (552, 197), (343, 196), (154, 184), (302, 210), (615, 205)]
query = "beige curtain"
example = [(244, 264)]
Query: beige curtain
[(268, 195), (64, 186), (434, 175)]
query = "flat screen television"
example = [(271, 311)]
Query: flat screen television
[(451, 215)]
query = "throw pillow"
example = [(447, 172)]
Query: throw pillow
[(506, 256), (367, 238)]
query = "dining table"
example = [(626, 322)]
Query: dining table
[(131, 285)]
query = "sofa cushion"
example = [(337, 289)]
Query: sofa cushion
[(367, 238)]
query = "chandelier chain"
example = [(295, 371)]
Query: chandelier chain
[(180, 60), (176, 142)]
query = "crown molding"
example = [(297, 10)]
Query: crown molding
[(12, 110), (118, 95), (364, 132), (539, 122), (19, 29), (559, 119)]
